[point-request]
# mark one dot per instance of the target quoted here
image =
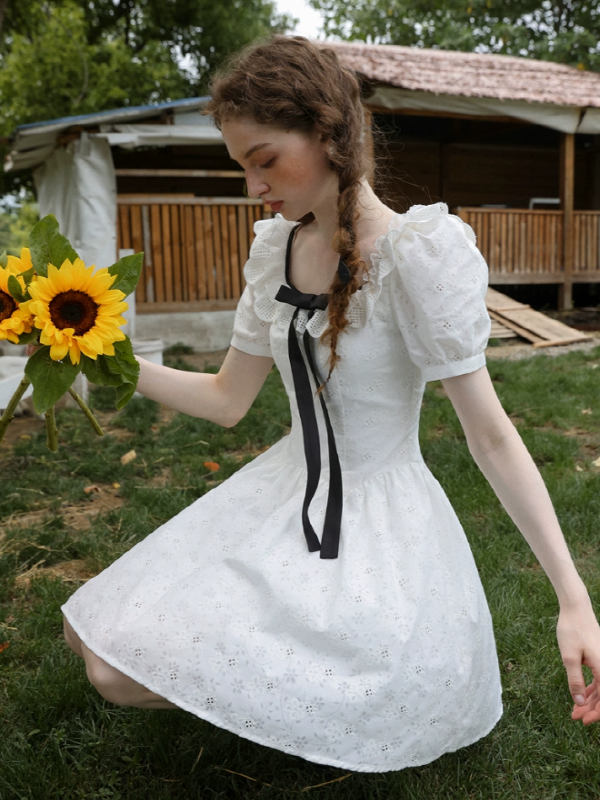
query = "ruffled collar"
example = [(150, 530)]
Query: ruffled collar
[(265, 271)]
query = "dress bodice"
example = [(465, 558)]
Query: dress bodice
[(419, 316)]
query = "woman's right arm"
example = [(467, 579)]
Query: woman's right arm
[(223, 398)]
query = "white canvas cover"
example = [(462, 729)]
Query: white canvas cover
[(130, 135), (560, 118), (77, 184), (590, 122)]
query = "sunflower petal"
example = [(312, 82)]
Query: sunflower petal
[(86, 350), (110, 296), (58, 351)]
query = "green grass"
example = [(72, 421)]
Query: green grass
[(60, 740)]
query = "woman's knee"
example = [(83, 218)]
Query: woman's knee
[(113, 685), (71, 638)]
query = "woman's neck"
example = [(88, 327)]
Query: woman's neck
[(371, 213)]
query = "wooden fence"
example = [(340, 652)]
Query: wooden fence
[(194, 248), (527, 246)]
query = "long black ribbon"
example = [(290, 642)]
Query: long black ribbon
[(330, 539)]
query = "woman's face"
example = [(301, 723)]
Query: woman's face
[(288, 169)]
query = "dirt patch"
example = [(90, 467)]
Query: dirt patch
[(21, 428), (67, 571), (76, 516)]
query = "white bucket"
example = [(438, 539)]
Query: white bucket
[(150, 349), (12, 371)]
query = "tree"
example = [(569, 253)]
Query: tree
[(64, 57), (567, 31)]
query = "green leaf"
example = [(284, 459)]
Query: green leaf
[(124, 394), (98, 373), (3, 259), (14, 288), (26, 338), (121, 370), (27, 276), (49, 246), (50, 379), (128, 270)]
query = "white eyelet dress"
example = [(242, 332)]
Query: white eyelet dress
[(384, 656)]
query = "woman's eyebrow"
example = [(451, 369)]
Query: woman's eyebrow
[(255, 148)]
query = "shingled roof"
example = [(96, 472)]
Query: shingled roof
[(445, 72)]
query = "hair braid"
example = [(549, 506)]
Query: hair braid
[(296, 84)]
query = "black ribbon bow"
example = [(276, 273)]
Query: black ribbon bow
[(330, 539)]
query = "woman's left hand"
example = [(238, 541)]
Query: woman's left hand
[(578, 635)]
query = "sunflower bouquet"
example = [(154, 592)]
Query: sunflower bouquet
[(49, 297)]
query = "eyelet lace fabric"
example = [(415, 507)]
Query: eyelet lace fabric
[(384, 657)]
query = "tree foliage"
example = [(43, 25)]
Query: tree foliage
[(67, 57), (567, 31)]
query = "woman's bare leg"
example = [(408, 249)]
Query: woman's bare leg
[(113, 685)]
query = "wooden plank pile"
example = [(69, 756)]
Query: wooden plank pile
[(510, 318)]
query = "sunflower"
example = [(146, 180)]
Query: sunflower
[(77, 311), (15, 318)]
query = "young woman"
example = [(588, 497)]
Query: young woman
[(324, 600)]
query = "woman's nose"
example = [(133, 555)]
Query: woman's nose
[(256, 186)]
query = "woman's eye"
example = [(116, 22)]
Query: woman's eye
[(268, 164)]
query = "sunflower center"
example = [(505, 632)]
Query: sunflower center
[(7, 306), (73, 309)]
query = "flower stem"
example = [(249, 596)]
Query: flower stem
[(86, 410), (13, 403), (51, 430)]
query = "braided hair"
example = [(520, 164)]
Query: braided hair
[(296, 84)]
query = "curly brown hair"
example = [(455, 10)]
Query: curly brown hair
[(295, 84)]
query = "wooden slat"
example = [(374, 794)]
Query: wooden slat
[(167, 253), (199, 239), (204, 305), (176, 253), (157, 254), (188, 250), (225, 253), (515, 327), (137, 244), (125, 239), (530, 324), (209, 238)]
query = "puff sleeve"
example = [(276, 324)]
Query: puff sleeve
[(250, 334), (255, 310), (438, 293)]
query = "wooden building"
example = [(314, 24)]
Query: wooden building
[(512, 145)]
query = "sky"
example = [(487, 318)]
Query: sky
[(309, 20)]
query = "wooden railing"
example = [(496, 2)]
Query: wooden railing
[(526, 246), (194, 248)]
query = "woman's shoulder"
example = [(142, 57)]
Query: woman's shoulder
[(432, 219)]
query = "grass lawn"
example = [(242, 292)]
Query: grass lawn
[(60, 740)]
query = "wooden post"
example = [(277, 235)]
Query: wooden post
[(567, 187), (367, 140)]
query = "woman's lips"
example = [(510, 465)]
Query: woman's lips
[(276, 207)]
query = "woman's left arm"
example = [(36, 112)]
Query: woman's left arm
[(500, 454)]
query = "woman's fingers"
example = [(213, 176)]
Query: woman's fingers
[(576, 680)]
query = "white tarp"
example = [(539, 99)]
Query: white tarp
[(130, 135), (77, 184), (590, 122), (560, 118)]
